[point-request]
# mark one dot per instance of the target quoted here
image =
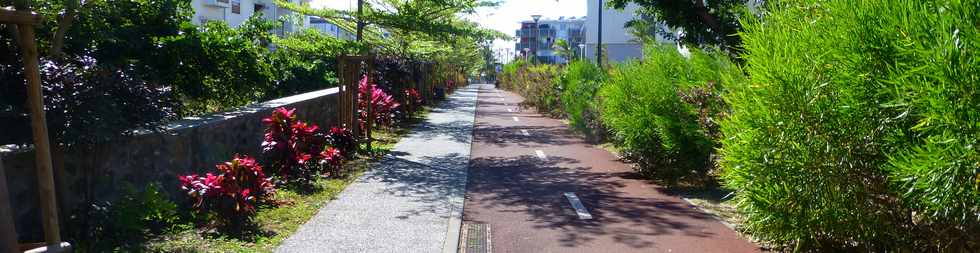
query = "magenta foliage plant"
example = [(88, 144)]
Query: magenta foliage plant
[(383, 106), (228, 196), (291, 147)]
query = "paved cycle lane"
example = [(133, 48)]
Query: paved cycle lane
[(527, 171)]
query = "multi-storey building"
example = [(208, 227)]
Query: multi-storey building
[(539, 41), (235, 12), (619, 44), (329, 28)]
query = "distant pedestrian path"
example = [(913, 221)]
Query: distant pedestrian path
[(411, 201)]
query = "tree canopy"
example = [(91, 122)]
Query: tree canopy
[(703, 22)]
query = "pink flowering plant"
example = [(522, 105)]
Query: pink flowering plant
[(228, 196)]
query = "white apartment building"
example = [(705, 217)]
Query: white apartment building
[(236, 12), (331, 29), (541, 40), (620, 44)]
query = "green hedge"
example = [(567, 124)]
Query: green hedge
[(661, 110), (858, 129), (579, 82), (536, 83)]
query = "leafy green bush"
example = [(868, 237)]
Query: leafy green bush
[(306, 61), (579, 82), (220, 67), (859, 128), (536, 83), (124, 224), (540, 89), (508, 77), (642, 104)]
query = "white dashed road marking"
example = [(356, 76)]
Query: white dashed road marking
[(577, 205), (515, 119), (540, 154), (508, 109)]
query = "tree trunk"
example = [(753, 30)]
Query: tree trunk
[(707, 18), (65, 21)]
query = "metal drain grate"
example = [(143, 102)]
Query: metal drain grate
[(476, 238)]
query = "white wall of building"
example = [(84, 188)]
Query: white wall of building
[(620, 44), (562, 27), (331, 29), (222, 10)]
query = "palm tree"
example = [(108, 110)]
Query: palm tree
[(563, 49)]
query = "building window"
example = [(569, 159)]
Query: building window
[(236, 6), (223, 1)]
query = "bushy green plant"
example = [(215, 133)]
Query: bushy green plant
[(641, 103), (536, 83), (508, 77), (220, 67), (858, 129), (305, 61), (124, 224), (228, 198), (579, 82), (540, 89)]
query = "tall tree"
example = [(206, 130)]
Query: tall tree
[(703, 22)]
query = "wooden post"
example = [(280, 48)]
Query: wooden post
[(369, 122), (8, 233), (42, 149)]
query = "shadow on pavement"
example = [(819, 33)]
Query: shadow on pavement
[(528, 181)]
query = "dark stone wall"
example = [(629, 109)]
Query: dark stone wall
[(192, 145)]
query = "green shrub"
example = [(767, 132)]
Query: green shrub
[(858, 129), (123, 225), (536, 83), (220, 67), (644, 105), (305, 61), (540, 90), (579, 82), (508, 77)]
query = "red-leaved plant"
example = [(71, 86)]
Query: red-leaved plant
[(291, 147), (228, 196), (383, 105), (332, 161), (450, 85), (343, 139), (412, 100)]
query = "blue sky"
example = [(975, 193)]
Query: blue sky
[(504, 18)]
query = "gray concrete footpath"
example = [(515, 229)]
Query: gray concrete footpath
[(410, 201)]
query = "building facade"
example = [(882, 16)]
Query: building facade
[(331, 29), (620, 45), (540, 40), (236, 12)]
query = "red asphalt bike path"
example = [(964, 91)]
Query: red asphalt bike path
[(520, 194)]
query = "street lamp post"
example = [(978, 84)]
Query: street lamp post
[(537, 34), (581, 51), (598, 45)]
